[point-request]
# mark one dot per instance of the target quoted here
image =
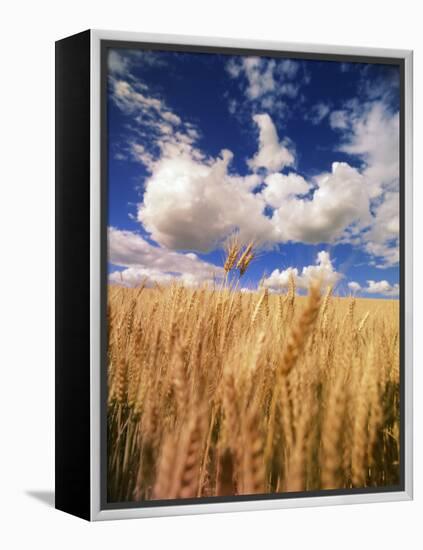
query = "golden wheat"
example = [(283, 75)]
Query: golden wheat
[(216, 392)]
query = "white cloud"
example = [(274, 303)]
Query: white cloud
[(339, 120), (272, 155), (117, 64), (272, 104), (234, 67), (135, 276), (265, 75), (383, 237), (372, 135), (279, 279), (259, 73), (288, 68), (354, 286), (380, 82), (318, 112), (376, 287), (195, 204), (153, 123), (122, 61), (129, 98), (280, 187), (339, 200), (289, 89), (322, 272), (140, 154), (192, 204), (266, 81), (382, 287), (386, 255), (171, 117), (374, 138), (145, 261)]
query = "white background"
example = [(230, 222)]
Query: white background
[(27, 37)]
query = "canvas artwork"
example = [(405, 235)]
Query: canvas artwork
[(253, 275)]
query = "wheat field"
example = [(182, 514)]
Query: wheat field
[(217, 392)]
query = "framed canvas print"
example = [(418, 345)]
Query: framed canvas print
[(233, 275)]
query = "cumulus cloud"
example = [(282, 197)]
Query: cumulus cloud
[(372, 135), (281, 187), (192, 201), (151, 263), (272, 155), (192, 204), (322, 271), (339, 200), (376, 287), (279, 279)]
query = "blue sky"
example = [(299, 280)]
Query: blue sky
[(300, 156)]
